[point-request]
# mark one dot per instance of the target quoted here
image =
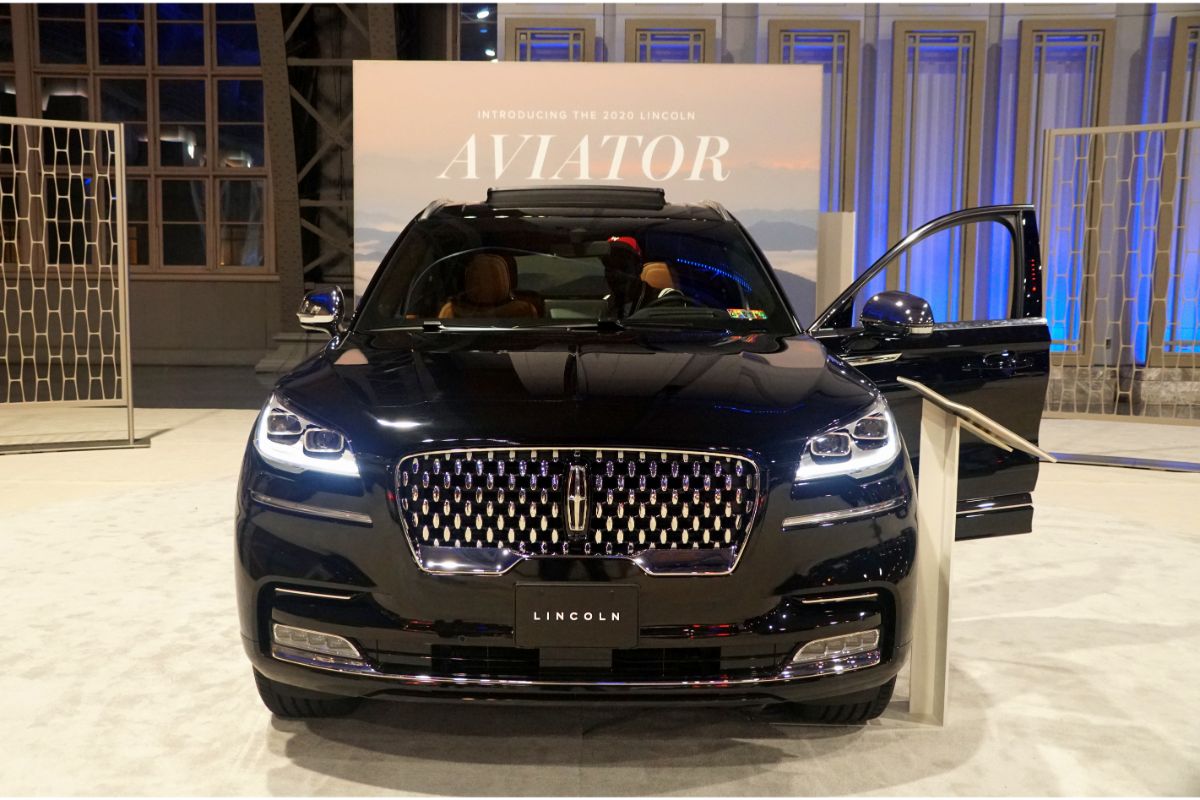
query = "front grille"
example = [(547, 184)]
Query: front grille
[(548, 501)]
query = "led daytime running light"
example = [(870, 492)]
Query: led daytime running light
[(868, 453), (290, 451)]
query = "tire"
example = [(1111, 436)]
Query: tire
[(290, 703), (853, 709)]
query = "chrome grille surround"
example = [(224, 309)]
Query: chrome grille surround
[(483, 510)]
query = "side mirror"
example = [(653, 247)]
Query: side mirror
[(322, 310), (894, 313)]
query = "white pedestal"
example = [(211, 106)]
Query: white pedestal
[(937, 500)]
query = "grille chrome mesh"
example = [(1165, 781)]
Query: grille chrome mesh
[(630, 502)]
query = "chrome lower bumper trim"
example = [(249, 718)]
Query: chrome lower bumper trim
[(840, 598), (827, 517), (353, 517), (793, 673), (499, 560), (307, 593)]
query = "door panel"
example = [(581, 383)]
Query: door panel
[(1000, 367)]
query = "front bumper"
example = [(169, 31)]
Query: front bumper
[(710, 639)]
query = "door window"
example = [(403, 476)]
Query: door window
[(965, 272)]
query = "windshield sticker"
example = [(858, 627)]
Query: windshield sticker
[(746, 313)]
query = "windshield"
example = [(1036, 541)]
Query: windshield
[(515, 271)]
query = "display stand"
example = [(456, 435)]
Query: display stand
[(937, 503)]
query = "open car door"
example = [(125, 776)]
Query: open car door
[(970, 326)]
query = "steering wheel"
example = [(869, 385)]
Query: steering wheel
[(673, 297)]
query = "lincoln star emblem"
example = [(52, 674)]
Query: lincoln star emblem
[(577, 505)]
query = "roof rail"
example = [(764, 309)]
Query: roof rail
[(717, 207), (579, 197), (433, 208)]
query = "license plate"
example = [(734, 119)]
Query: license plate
[(571, 615)]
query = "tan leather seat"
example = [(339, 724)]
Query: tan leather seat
[(488, 291), (657, 275)]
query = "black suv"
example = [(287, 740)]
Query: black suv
[(574, 445)]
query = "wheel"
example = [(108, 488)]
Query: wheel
[(850, 709), (289, 702)]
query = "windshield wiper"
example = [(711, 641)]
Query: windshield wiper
[(606, 325)]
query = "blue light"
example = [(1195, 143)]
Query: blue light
[(738, 279)]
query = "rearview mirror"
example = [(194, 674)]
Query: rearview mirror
[(894, 313), (322, 310)]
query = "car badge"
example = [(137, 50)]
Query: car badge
[(577, 505)]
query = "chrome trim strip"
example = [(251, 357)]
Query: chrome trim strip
[(498, 561), (863, 361), (305, 593), (860, 661), (826, 517), (966, 512), (640, 448), (845, 598), (338, 515), (1129, 463), (1016, 322)]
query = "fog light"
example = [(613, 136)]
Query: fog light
[(836, 648), (313, 642)]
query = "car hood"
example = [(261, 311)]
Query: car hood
[(402, 391)]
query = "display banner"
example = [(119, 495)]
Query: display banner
[(745, 135)]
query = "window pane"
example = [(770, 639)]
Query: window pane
[(60, 10), (241, 246), (122, 43), (6, 51), (65, 98), (240, 146), (8, 96), (182, 145), (137, 145), (183, 201), (237, 45), (235, 11), (240, 101), (139, 244), (120, 11), (183, 246), (62, 42), (180, 44), (186, 11), (242, 201), (122, 100), (181, 101), (137, 209), (137, 204)]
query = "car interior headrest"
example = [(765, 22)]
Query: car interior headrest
[(488, 280), (657, 275)]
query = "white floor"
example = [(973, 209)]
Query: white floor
[(1074, 657)]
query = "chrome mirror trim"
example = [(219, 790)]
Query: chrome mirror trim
[(322, 310)]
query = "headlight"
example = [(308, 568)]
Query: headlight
[(292, 442), (866, 445)]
